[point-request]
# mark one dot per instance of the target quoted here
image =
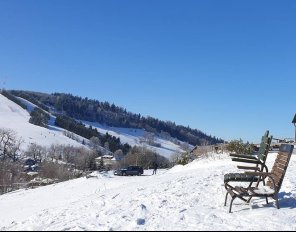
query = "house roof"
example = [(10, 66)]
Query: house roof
[(105, 157)]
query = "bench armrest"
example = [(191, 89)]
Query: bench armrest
[(243, 156), (248, 168), (246, 161), (264, 174)]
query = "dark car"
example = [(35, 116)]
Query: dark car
[(30, 162), (129, 171)]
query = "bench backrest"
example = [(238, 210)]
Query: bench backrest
[(264, 147), (280, 166)]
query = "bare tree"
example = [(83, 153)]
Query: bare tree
[(75, 157), (8, 143), (71, 135), (149, 138), (118, 154), (95, 144), (185, 146), (144, 157), (175, 157), (56, 171), (52, 152), (36, 151), (15, 150), (10, 173)]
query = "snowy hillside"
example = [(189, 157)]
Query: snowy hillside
[(16, 118), (30, 107), (184, 198), (134, 136), (13, 117)]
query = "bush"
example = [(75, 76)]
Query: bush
[(56, 171), (183, 159), (239, 147), (144, 157), (10, 173)]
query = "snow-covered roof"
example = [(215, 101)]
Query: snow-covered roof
[(105, 157)]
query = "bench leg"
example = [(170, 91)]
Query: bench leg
[(249, 200), (226, 199), (231, 204)]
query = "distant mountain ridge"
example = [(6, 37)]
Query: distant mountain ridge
[(85, 109)]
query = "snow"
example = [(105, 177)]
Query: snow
[(133, 137), (30, 107), (182, 198), (187, 198), (264, 190), (13, 117)]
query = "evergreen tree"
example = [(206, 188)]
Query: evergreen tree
[(112, 115), (39, 118), (101, 166)]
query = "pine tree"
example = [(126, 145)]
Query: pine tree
[(101, 166)]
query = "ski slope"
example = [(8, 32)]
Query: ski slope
[(15, 118), (12, 116), (134, 136)]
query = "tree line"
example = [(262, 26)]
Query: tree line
[(39, 118), (13, 98), (111, 143), (111, 115)]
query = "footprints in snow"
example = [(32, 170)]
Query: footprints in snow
[(141, 221), (143, 212)]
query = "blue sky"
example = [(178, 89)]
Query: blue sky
[(224, 67)]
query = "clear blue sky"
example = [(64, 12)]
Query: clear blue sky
[(227, 68)]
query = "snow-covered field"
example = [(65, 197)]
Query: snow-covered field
[(133, 137), (183, 198), (16, 118), (13, 117), (187, 197)]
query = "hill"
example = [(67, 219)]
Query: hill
[(104, 113), (16, 117), (184, 198)]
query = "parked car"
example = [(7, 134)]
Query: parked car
[(31, 165), (129, 171)]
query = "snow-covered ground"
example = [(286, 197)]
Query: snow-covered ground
[(13, 117), (183, 198), (134, 136)]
